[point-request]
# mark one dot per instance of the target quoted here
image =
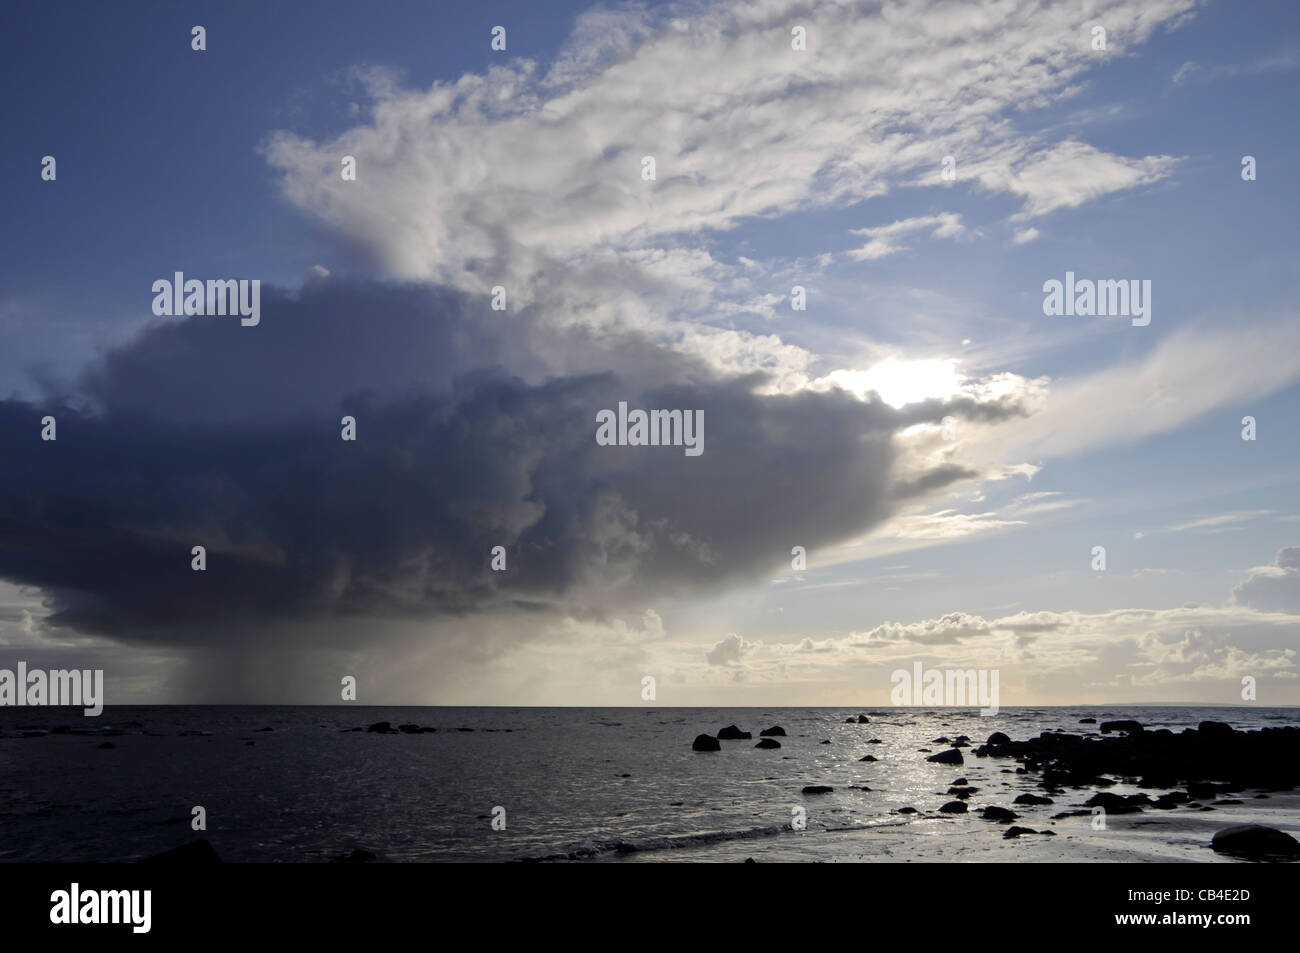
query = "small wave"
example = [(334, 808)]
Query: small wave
[(666, 842)]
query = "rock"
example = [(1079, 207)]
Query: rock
[(381, 728), (1132, 727), (732, 733), (869, 757), (998, 738), (357, 856), (1017, 831), (705, 743), (107, 744), (1117, 803), (1033, 799), (1214, 729), (951, 756), (954, 807), (195, 852), (959, 781), (863, 720), (1000, 814), (907, 810), (768, 743), (409, 729), (776, 731), (1087, 721), (818, 789), (941, 740), (1255, 842)]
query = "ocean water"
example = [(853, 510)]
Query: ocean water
[(574, 783)]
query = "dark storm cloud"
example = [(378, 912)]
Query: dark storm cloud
[(202, 432)]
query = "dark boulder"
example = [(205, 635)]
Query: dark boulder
[(818, 789), (1087, 721), (1117, 803), (768, 743), (869, 757), (381, 728), (1132, 727), (954, 807), (776, 731), (951, 756), (732, 733), (1214, 729), (1255, 842), (1000, 814), (1017, 831), (998, 738), (1032, 799), (705, 743)]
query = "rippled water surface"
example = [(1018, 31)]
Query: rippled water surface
[(574, 782)]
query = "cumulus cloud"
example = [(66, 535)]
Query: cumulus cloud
[(200, 432), (731, 650), (1273, 588)]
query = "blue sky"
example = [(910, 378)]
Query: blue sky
[(479, 167)]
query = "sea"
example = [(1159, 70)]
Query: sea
[(295, 784)]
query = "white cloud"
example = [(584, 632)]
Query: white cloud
[(885, 239)]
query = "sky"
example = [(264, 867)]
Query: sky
[(946, 454)]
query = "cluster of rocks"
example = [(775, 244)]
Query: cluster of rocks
[(386, 728), (768, 738), (1212, 756), (1209, 760)]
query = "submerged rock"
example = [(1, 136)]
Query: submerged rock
[(195, 852), (818, 789), (768, 743), (356, 856)]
